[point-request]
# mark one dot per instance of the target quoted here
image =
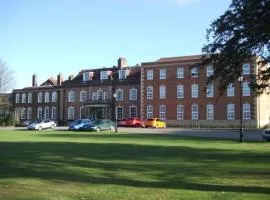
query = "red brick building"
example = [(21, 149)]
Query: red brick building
[(88, 95), (174, 89)]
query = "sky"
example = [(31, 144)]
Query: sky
[(46, 37)]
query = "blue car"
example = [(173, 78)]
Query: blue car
[(78, 124)]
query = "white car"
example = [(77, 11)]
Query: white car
[(266, 134), (41, 124)]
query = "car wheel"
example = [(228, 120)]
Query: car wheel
[(40, 128), (164, 126), (111, 128), (52, 126)]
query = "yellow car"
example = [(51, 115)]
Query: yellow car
[(155, 123)]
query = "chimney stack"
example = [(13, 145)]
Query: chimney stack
[(60, 79), (34, 80), (122, 62), (70, 77)]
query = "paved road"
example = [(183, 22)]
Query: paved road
[(249, 134)]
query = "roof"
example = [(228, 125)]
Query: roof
[(192, 57)]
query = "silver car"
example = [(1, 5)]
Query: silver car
[(41, 124)]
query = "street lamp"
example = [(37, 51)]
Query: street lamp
[(240, 79), (115, 111)]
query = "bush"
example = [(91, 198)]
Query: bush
[(7, 120)]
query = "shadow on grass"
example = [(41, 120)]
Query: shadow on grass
[(142, 165)]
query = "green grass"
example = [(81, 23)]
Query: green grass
[(64, 165)]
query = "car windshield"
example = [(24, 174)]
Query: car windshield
[(98, 121), (77, 121), (37, 121), (151, 120)]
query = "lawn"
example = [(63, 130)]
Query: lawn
[(64, 165)]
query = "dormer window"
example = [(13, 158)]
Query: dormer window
[(122, 74), (87, 76), (103, 75)]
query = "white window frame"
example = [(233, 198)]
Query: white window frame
[(194, 91), (149, 112), (230, 111), (53, 113), (131, 114), (83, 96), (162, 112), (103, 75), (71, 96), (194, 112), (210, 112), (120, 115), (39, 113), (245, 89), (54, 96), (23, 113), (82, 112), (71, 113), (180, 72), (194, 72), (29, 113), (162, 74), (149, 74), (94, 96), (209, 71), (230, 90), (180, 91), (246, 69), (133, 94), (100, 95), (105, 96), (17, 100), (40, 97), (162, 92), (180, 112), (122, 74), (246, 111), (210, 90), (86, 76), (29, 97), (119, 94), (23, 97), (149, 92), (46, 112), (47, 97)]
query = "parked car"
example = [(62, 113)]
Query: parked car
[(134, 122), (100, 125), (78, 124), (122, 123), (155, 123), (41, 124), (266, 134)]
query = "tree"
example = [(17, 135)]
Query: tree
[(6, 77), (238, 35)]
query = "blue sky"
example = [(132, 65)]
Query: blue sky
[(51, 36)]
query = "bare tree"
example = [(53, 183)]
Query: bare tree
[(6, 77)]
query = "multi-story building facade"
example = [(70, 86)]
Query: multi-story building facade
[(176, 90), (173, 89), (93, 93)]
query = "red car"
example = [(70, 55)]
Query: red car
[(131, 122)]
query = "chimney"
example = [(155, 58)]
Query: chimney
[(34, 80), (122, 62), (70, 77), (59, 79)]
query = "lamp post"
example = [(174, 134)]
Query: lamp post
[(115, 111), (240, 79)]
